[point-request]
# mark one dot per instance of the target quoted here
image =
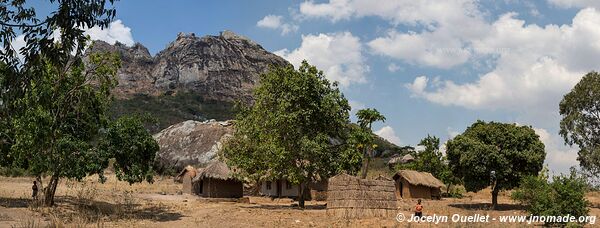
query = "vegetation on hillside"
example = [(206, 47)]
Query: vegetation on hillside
[(172, 109)]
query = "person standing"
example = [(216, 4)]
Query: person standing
[(418, 209), (34, 190)]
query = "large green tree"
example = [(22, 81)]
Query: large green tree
[(580, 124), (65, 132), (495, 154), (295, 129), (366, 118), (53, 103)]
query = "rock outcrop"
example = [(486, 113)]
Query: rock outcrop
[(219, 68), (191, 143)]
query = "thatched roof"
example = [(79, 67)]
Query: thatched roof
[(216, 170), (419, 178)]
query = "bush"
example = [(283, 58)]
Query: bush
[(565, 195)]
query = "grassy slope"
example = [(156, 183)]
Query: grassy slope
[(172, 109)]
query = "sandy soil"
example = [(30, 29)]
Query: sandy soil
[(118, 204)]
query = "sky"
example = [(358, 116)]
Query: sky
[(431, 67)]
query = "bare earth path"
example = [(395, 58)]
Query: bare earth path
[(117, 204)]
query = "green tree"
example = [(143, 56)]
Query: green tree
[(432, 160), (294, 130), (366, 118), (580, 110), (565, 195), (495, 154), (65, 131), (56, 38)]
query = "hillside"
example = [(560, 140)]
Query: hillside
[(193, 78)]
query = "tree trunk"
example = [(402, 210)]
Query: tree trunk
[(494, 198), (50, 191), (365, 166), (301, 191), (40, 186)]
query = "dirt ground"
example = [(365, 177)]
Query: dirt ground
[(118, 204)]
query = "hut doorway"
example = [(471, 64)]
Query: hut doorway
[(400, 187)]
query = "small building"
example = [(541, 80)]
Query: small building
[(186, 176), (217, 181), (280, 188), (414, 184), (283, 188)]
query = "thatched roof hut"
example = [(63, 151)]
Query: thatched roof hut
[(352, 197), (414, 184), (216, 180)]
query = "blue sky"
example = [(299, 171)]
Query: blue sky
[(431, 67)]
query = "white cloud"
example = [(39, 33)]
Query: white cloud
[(576, 3), (537, 67), (116, 31), (276, 22), (389, 134), (445, 27), (339, 55), (392, 67), (558, 156)]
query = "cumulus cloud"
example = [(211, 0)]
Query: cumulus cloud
[(558, 156), (339, 55), (116, 31), (445, 27), (392, 67), (389, 134), (276, 22), (539, 65)]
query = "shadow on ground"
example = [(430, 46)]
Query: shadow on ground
[(71, 206), (487, 206), (286, 207), (14, 203)]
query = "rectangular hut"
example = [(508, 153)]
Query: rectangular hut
[(414, 184), (217, 181)]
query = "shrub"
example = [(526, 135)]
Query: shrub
[(565, 195)]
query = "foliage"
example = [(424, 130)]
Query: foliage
[(432, 160), (294, 130), (172, 109), (65, 131), (495, 154), (132, 147), (364, 135), (580, 110), (65, 23), (565, 195)]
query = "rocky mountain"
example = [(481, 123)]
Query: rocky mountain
[(191, 143), (218, 68), (193, 78)]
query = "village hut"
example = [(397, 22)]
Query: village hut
[(352, 197), (186, 176), (217, 181), (414, 184), (283, 188)]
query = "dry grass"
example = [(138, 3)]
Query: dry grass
[(118, 204)]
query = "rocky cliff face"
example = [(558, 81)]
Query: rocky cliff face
[(218, 68)]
